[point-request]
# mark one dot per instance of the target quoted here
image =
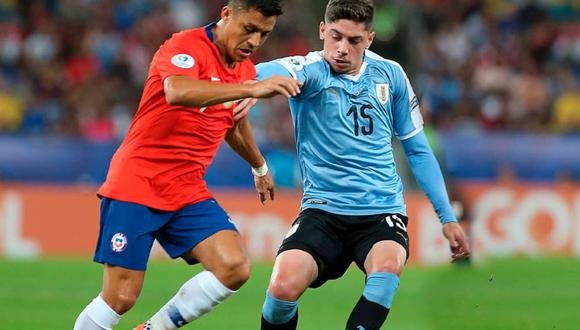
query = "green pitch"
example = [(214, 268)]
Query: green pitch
[(511, 294)]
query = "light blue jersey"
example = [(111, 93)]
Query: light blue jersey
[(344, 127)]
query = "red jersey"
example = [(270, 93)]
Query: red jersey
[(162, 161)]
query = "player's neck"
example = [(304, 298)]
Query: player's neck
[(355, 71), (218, 41)]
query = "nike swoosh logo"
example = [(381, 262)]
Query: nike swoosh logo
[(215, 79)]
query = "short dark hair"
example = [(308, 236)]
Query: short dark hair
[(361, 11), (268, 8)]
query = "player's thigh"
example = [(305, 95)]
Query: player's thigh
[(121, 286), (382, 245), (126, 233), (202, 232), (294, 271), (315, 232), (222, 251)]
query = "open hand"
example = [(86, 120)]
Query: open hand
[(276, 85), (264, 187)]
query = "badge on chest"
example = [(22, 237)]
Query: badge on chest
[(382, 91)]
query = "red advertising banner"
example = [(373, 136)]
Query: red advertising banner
[(505, 220)]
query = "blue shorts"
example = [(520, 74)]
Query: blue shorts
[(127, 230)]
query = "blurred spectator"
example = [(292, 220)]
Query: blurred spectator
[(497, 56), (76, 68), (567, 104), (479, 65), (11, 110)]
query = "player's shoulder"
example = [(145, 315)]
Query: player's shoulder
[(377, 60), (191, 39), (393, 71), (299, 62), (195, 33)]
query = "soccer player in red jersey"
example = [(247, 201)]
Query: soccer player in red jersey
[(155, 187)]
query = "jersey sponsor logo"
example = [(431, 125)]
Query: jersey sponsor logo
[(183, 61), (382, 93), (316, 201), (119, 242)]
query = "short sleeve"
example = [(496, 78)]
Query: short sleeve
[(308, 69), (407, 114), (289, 66), (172, 60)]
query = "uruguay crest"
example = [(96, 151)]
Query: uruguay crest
[(383, 93)]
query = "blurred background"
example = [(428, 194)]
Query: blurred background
[(498, 81)]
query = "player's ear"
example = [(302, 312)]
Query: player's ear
[(322, 29), (226, 13), (370, 39)]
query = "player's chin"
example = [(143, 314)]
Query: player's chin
[(340, 69), (242, 54)]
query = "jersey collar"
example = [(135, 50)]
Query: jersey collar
[(356, 77), (208, 30)]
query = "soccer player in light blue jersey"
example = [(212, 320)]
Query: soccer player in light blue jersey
[(352, 104)]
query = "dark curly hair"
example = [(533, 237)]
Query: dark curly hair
[(268, 8), (361, 11)]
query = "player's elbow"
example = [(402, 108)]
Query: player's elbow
[(171, 98), (174, 96)]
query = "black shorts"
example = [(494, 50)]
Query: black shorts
[(335, 241)]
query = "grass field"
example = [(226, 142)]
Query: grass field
[(511, 294)]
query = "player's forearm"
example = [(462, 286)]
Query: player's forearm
[(426, 170), (241, 139), (191, 93)]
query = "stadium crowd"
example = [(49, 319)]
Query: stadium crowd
[(75, 68)]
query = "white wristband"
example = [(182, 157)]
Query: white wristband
[(260, 171)]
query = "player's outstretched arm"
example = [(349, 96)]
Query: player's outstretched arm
[(185, 91), (428, 174), (241, 140)]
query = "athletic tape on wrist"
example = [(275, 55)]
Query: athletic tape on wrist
[(260, 171)]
